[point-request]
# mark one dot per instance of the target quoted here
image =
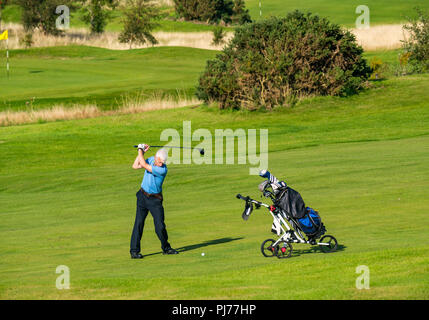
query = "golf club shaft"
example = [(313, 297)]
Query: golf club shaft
[(201, 150), (171, 147), (174, 147)]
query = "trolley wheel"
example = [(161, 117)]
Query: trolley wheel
[(332, 244), (284, 250), (267, 249)]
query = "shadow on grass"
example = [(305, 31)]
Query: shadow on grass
[(200, 245), (315, 249)]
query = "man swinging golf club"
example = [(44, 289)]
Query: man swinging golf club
[(149, 198)]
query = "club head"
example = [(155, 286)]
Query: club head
[(263, 185)]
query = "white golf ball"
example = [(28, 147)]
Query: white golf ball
[(203, 254)]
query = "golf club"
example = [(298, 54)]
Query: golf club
[(201, 150)]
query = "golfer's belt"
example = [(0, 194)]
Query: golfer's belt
[(154, 195)]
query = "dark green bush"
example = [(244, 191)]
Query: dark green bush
[(41, 14), (213, 11), (270, 62), (240, 15)]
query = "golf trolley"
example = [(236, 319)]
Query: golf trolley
[(289, 228)]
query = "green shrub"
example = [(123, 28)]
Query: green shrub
[(240, 15), (213, 11), (218, 36), (139, 20), (27, 40), (417, 44), (378, 68), (97, 13), (269, 62), (404, 66)]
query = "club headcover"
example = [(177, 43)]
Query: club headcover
[(247, 211), (264, 174)]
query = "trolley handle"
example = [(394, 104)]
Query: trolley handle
[(239, 196), (248, 199)]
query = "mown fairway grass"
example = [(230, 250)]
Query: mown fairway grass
[(340, 11), (67, 195)]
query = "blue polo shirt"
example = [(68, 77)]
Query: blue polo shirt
[(152, 181)]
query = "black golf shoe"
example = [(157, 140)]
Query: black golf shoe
[(136, 256), (170, 251)]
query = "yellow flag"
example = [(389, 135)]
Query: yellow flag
[(3, 36)]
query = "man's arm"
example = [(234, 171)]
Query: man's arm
[(136, 164), (140, 162)]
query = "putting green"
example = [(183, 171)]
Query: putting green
[(42, 77)]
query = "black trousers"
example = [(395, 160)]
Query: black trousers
[(144, 205)]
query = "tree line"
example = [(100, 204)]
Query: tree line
[(139, 17)]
